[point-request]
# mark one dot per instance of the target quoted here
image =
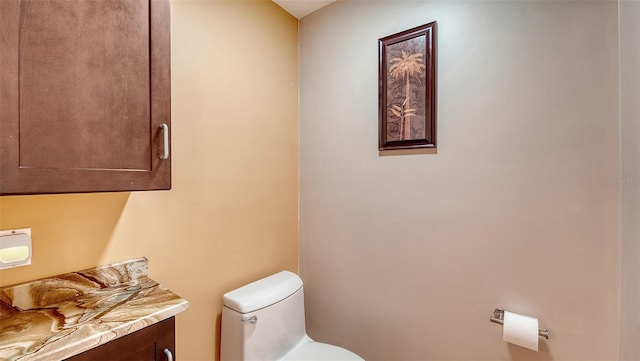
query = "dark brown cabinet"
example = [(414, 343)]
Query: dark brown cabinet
[(84, 96), (152, 343)]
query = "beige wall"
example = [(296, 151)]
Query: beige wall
[(232, 214), (405, 257), (630, 180)]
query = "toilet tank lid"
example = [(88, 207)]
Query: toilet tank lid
[(262, 293)]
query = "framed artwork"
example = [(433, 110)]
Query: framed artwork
[(407, 89)]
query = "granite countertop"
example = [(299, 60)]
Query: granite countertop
[(62, 316)]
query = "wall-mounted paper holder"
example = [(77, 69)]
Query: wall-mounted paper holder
[(498, 317)]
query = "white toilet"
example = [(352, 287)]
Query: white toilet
[(264, 320)]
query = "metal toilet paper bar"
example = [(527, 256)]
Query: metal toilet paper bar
[(498, 317)]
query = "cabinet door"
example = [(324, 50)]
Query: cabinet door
[(166, 340), (147, 344), (84, 90)]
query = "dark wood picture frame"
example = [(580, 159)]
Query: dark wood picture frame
[(407, 89)]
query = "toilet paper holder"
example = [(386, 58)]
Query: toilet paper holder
[(498, 317)]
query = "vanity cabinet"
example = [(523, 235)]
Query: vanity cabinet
[(84, 96), (148, 344)]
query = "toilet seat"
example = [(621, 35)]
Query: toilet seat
[(318, 351)]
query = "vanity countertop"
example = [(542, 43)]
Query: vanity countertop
[(62, 316)]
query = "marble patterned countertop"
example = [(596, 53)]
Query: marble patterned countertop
[(62, 316)]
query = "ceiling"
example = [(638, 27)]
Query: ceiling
[(302, 8)]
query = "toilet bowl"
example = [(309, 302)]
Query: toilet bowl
[(264, 320)]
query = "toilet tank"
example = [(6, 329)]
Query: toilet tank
[(277, 303)]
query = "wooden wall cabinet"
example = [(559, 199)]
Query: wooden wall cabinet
[(148, 344), (84, 91)]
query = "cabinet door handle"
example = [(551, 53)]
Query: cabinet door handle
[(168, 354), (165, 133)]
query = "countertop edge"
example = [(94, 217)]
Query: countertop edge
[(102, 338), (58, 317)]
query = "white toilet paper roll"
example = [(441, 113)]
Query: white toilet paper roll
[(520, 330)]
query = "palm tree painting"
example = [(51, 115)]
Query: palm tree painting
[(409, 68), (407, 89)]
